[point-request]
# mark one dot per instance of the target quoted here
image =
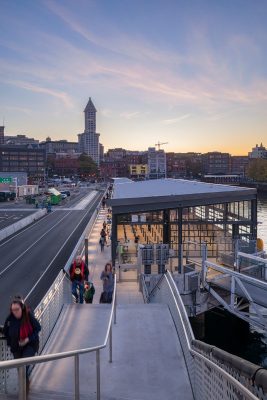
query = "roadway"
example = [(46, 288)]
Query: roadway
[(31, 259), (11, 217)]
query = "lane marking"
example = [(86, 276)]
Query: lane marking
[(28, 248), (24, 230)]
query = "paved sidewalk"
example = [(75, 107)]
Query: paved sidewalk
[(127, 292)]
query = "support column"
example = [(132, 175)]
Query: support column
[(235, 231), (180, 240), (166, 226), (225, 217), (114, 239), (254, 221)]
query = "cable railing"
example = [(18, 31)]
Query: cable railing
[(22, 363), (210, 375)]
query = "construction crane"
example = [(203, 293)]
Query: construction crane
[(159, 144)]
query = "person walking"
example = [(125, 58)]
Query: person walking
[(103, 234), (89, 291), (21, 330), (79, 273), (102, 243), (107, 278)]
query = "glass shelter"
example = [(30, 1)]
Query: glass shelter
[(183, 214)]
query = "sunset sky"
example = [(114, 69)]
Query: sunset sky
[(192, 73)]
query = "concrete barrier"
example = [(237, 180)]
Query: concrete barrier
[(10, 230)]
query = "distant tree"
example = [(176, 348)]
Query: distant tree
[(50, 166), (257, 170), (193, 168), (87, 166)]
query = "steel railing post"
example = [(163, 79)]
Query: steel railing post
[(98, 374), (86, 250), (110, 344), (76, 377), (22, 382)]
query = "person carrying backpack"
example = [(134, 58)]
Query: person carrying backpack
[(78, 274)]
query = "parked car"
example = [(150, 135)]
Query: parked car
[(66, 192), (63, 195)]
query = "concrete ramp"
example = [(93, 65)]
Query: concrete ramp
[(147, 358)]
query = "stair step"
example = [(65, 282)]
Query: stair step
[(50, 395)]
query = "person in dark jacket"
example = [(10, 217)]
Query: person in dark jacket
[(21, 330), (78, 274), (89, 291)]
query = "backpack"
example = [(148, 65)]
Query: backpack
[(104, 298)]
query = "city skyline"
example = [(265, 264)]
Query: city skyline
[(194, 76)]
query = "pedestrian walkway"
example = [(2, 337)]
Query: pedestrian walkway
[(147, 362), (127, 292), (147, 358)]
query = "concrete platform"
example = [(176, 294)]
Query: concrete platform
[(147, 358)]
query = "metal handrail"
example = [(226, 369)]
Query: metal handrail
[(21, 363), (245, 278), (194, 353)]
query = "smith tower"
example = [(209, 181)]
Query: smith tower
[(89, 139)]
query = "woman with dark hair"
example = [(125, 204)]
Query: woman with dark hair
[(107, 278), (21, 330)]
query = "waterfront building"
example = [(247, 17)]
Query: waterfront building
[(216, 163), (177, 212), (89, 139), (258, 152)]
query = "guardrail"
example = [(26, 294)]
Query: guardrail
[(11, 229), (47, 312), (210, 378), (22, 363)]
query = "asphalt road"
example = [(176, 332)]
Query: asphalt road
[(11, 217), (31, 259)]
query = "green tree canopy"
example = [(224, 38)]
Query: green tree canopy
[(257, 170), (87, 165)]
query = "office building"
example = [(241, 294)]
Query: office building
[(89, 139), (20, 140), (59, 146), (14, 158), (156, 160)]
